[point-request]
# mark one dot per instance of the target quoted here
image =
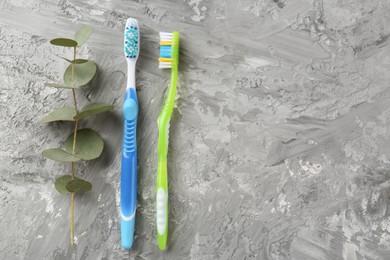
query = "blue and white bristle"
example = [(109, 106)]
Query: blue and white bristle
[(131, 39), (165, 61)]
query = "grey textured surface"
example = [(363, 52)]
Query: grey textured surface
[(279, 146)]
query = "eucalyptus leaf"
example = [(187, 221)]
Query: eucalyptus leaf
[(79, 61), (78, 186), (53, 85), (83, 34), (59, 155), (76, 61), (61, 182), (61, 114), (89, 145), (64, 42), (83, 74), (93, 109)]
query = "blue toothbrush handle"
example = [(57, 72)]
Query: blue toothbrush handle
[(128, 200)]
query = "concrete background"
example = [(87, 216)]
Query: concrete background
[(279, 145)]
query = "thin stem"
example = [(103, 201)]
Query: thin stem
[(75, 136), (73, 170), (73, 152)]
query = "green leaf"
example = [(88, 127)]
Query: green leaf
[(83, 74), (93, 109), (53, 85), (64, 42), (78, 186), (76, 61), (61, 114), (79, 61), (60, 183), (59, 155), (83, 34), (89, 144)]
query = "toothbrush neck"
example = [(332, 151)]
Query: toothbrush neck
[(130, 74), (170, 100)]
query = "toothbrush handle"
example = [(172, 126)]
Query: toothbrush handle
[(162, 178), (128, 200), (162, 175)]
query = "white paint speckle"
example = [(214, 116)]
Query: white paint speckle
[(48, 197), (310, 169), (284, 206), (199, 11), (96, 12)]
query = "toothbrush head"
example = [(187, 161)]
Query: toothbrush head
[(169, 50), (131, 39)]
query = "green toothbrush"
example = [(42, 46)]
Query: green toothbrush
[(169, 58)]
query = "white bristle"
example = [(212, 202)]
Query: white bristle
[(164, 36), (164, 65), (131, 22)]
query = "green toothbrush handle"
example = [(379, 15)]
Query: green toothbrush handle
[(162, 204), (162, 182), (162, 175)]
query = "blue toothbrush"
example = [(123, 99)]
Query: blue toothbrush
[(128, 200)]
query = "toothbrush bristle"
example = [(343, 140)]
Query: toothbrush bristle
[(169, 50), (165, 61), (131, 39)]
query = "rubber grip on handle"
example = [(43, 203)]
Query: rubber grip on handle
[(162, 205), (162, 218), (127, 233), (128, 199), (162, 190)]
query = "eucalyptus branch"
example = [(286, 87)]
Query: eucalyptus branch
[(82, 144), (73, 152)]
